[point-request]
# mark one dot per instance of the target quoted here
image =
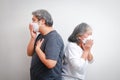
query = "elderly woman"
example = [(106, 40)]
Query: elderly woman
[(78, 53)]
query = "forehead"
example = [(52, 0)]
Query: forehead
[(33, 16), (89, 31)]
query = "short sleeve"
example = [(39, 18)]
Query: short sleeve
[(52, 49)]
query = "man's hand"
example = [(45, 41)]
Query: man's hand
[(33, 34), (30, 47), (48, 62), (38, 45)]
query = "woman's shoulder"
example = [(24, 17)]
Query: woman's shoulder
[(72, 45), (72, 50)]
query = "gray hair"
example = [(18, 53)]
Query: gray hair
[(78, 31), (43, 14)]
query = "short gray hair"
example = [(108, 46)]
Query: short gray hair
[(79, 30), (43, 14)]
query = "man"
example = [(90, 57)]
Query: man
[(46, 49)]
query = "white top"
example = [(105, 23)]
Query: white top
[(74, 66)]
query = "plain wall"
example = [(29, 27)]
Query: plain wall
[(102, 15)]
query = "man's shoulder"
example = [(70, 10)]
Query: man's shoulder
[(55, 35)]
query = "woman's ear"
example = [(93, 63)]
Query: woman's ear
[(77, 38), (80, 38)]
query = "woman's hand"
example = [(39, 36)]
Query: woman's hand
[(33, 34), (86, 49), (87, 46), (38, 45)]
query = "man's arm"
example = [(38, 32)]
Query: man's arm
[(30, 46), (47, 62)]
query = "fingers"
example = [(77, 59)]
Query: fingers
[(31, 27), (90, 42), (33, 34), (42, 40), (39, 42)]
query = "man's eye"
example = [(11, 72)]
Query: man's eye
[(33, 19)]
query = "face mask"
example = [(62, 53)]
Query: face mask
[(88, 38), (35, 26)]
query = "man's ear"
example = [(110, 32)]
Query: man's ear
[(42, 21)]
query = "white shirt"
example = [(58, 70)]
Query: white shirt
[(74, 66)]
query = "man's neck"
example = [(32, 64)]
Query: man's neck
[(47, 30)]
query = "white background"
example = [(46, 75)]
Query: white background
[(102, 15)]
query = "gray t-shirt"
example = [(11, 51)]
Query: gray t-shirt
[(53, 47)]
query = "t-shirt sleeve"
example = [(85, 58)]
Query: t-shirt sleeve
[(52, 49)]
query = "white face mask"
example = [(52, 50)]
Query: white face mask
[(88, 38), (35, 26)]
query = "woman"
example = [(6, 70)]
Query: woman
[(78, 53)]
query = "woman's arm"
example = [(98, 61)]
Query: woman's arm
[(75, 57), (90, 57), (85, 55), (77, 64)]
